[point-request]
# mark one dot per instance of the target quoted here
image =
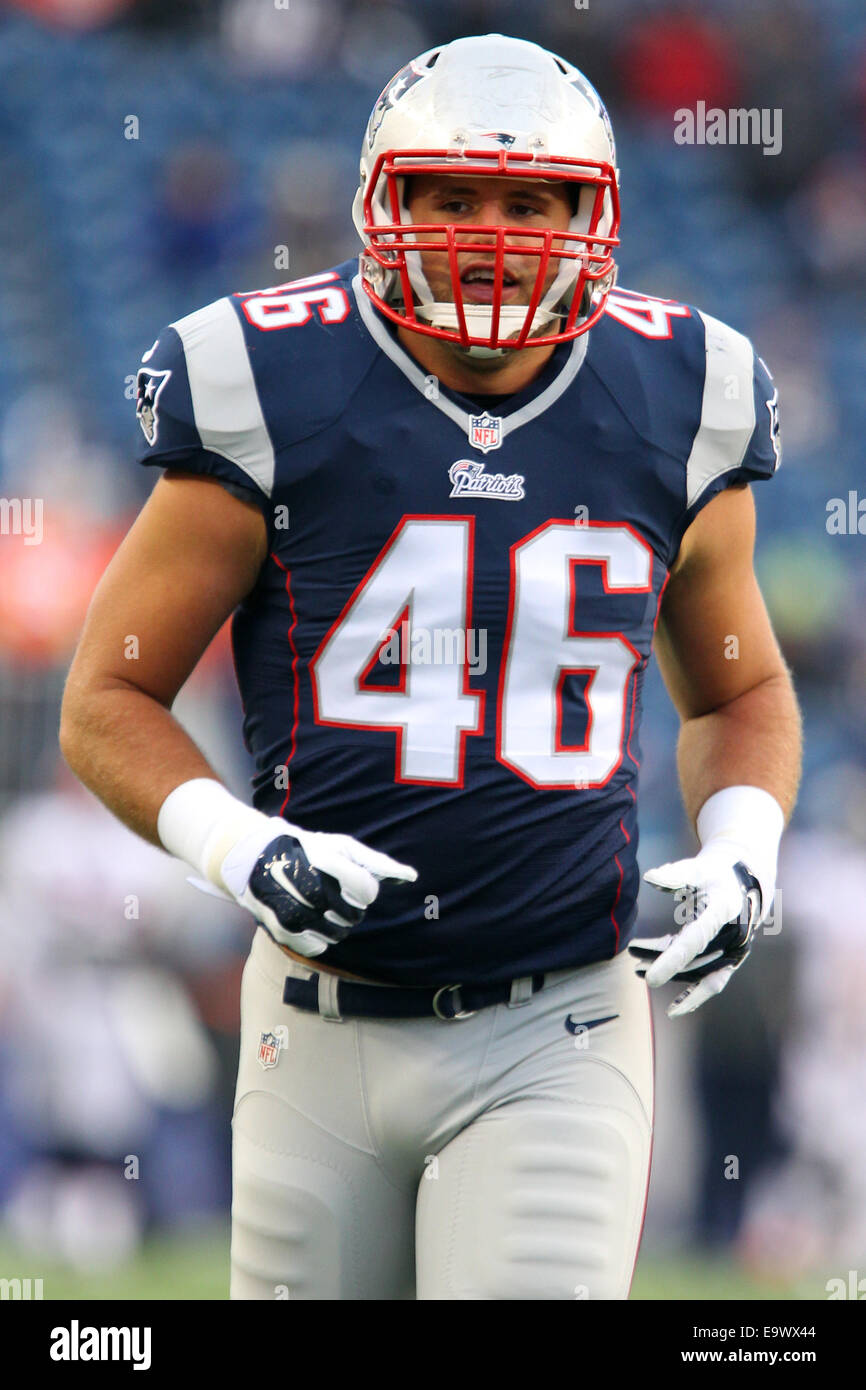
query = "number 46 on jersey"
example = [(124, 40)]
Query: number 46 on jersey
[(424, 576)]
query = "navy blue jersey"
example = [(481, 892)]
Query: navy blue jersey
[(444, 654)]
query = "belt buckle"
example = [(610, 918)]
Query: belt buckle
[(449, 1018)]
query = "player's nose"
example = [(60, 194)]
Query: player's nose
[(493, 214)]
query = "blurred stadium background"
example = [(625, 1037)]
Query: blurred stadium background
[(156, 155)]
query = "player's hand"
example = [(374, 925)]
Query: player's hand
[(307, 888), (707, 950)]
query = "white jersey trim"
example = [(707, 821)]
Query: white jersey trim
[(419, 379), (727, 410), (225, 402)]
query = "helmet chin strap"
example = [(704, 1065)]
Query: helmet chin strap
[(479, 317), (484, 353), (540, 319)]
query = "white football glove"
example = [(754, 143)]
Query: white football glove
[(728, 901), (307, 888)]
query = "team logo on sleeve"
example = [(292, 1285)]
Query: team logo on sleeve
[(468, 479), (149, 387), (485, 432), (775, 427)]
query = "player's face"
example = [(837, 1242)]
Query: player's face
[(490, 201)]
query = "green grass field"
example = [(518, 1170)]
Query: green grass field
[(196, 1267)]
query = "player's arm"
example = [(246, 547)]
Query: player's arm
[(722, 665), (192, 555), (739, 749)]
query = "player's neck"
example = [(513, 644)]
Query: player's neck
[(475, 377)]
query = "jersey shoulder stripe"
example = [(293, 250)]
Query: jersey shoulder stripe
[(684, 377), (226, 409), (222, 394), (727, 407)]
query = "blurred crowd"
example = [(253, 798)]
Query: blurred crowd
[(156, 154)]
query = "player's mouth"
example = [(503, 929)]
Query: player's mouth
[(478, 283)]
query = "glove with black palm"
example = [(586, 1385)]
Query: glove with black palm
[(705, 953), (730, 884), (307, 888)]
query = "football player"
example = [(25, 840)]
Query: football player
[(451, 493)]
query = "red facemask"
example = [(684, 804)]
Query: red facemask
[(588, 249)]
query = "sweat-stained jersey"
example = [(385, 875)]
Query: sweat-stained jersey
[(444, 653)]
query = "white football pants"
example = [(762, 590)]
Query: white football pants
[(502, 1156)]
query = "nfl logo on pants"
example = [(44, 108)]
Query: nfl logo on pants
[(270, 1045), (485, 432)]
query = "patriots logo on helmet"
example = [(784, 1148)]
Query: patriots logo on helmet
[(149, 387), (501, 135), (405, 78)]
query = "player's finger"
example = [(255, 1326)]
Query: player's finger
[(682, 873), (358, 887), (307, 943), (698, 994), (401, 873), (690, 942), (338, 920), (648, 947), (381, 865)]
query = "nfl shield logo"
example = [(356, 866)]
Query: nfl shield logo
[(270, 1045), (485, 432)]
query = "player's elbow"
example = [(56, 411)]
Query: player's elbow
[(73, 731), (84, 719)]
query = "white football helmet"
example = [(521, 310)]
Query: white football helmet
[(489, 105)]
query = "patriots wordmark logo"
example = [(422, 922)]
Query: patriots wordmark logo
[(270, 1046), (485, 432), (468, 479), (149, 388)]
